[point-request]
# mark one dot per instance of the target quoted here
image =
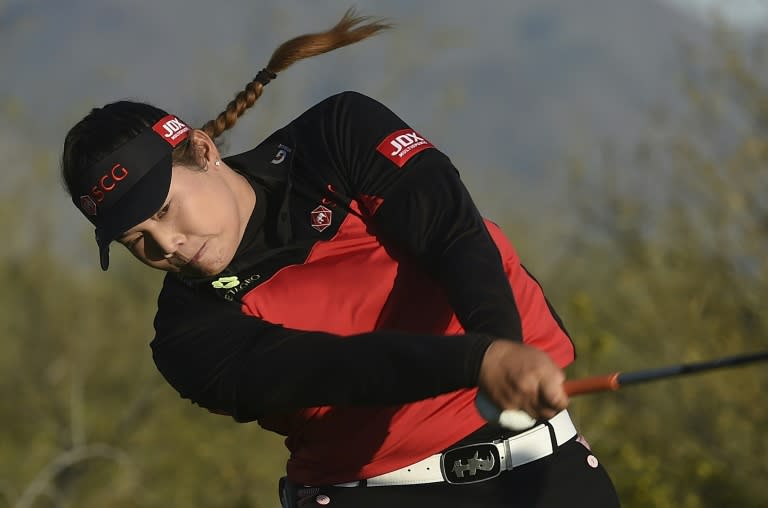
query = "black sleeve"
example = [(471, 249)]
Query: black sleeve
[(425, 211), (240, 365)]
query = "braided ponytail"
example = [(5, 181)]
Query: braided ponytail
[(350, 29)]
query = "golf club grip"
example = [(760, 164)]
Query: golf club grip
[(605, 383)]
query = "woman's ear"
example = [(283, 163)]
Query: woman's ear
[(203, 148)]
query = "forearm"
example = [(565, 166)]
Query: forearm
[(254, 368)]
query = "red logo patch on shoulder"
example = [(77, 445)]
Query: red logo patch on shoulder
[(400, 146)]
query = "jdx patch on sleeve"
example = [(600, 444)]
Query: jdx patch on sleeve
[(400, 146)]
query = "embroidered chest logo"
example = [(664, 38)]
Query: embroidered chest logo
[(226, 282), (232, 285), (321, 218)]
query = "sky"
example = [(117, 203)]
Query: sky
[(747, 14)]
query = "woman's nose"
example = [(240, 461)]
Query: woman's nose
[(167, 241), (169, 244)]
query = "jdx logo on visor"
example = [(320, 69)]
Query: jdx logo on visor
[(171, 129)]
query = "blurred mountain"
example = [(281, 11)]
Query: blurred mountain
[(505, 88)]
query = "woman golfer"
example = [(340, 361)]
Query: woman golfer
[(337, 285)]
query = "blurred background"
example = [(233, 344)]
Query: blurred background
[(619, 143)]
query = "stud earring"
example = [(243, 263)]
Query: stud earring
[(217, 163)]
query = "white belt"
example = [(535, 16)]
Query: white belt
[(452, 467)]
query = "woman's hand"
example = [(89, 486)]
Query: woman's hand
[(516, 376)]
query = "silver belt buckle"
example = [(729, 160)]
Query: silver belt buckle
[(471, 464)]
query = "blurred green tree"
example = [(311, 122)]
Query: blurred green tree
[(87, 419), (668, 264)]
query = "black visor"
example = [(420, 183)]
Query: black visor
[(129, 185)]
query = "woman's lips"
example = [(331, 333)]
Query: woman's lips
[(198, 255)]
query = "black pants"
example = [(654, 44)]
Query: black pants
[(571, 477)]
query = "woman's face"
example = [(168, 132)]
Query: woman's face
[(199, 227)]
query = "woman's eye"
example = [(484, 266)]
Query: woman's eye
[(133, 241), (163, 211)]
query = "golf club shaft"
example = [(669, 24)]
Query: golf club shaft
[(616, 380)]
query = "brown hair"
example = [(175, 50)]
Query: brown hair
[(350, 29)]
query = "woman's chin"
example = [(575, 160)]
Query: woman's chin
[(202, 270)]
